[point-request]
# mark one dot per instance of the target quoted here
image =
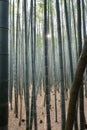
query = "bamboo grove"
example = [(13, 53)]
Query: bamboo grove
[(45, 40)]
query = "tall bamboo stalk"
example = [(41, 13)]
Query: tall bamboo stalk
[(4, 65)]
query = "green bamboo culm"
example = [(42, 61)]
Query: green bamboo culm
[(26, 55), (62, 94), (46, 68), (16, 56), (54, 61), (4, 65)]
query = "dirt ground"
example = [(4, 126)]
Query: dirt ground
[(41, 114)]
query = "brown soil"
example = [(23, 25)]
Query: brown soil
[(14, 123)]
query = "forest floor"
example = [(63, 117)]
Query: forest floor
[(41, 114)]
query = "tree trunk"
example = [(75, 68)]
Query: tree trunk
[(76, 86)]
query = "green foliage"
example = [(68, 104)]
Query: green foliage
[(40, 9)]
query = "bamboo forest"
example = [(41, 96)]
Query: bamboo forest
[(43, 64)]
